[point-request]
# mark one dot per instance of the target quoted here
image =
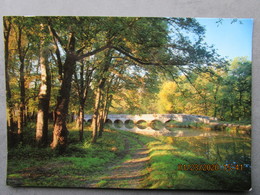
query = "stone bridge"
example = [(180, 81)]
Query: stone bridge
[(155, 117)]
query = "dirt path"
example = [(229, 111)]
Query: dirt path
[(126, 174)]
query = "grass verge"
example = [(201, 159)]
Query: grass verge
[(163, 173), (30, 166)]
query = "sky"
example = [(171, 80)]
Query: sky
[(230, 39)]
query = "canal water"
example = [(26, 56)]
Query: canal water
[(220, 146)]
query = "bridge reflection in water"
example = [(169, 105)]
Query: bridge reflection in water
[(166, 131)]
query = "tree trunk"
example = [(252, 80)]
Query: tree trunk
[(82, 94), (77, 126), (60, 131), (22, 87), (104, 113), (101, 123), (215, 101), (81, 122), (95, 120), (10, 120), (44, 99), (22, 104)]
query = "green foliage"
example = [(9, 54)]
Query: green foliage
[(237, 91), (225, 95), (167, 98)]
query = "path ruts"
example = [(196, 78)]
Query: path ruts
[(126, 174)]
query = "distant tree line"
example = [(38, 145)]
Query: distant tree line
[(225, 94)]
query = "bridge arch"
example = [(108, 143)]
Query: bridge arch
[(109, 122), (142, 124), (118, 123), (129, 124), (167, 121), (170, 122), (122, 119), (156, 124)]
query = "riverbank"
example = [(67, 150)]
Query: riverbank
[(215, 126)]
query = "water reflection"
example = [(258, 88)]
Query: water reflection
[(220, 148), (217, 146), (174, 132)]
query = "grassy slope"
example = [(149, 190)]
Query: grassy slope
[(164, 173)]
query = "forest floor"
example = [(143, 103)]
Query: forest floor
[(118, 160), (127, 173)]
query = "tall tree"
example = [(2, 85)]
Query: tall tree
[(44, 94), (72, 55), (82, 83), (113, 85), (97, 118), (10, 124), (23, 48)]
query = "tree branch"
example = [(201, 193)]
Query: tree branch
[(77, 83), (71, 42), (188, 78), (58, 55), (93, 52), (80, 49), (139, 61), (56, 36)]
